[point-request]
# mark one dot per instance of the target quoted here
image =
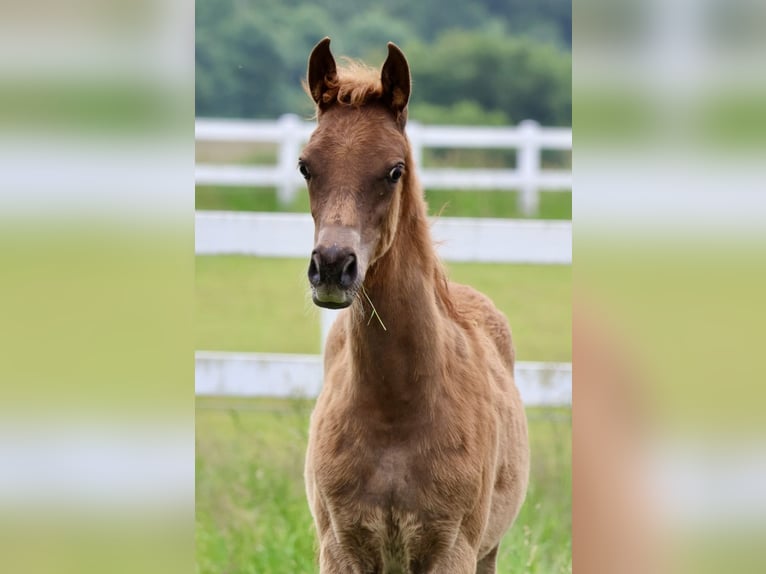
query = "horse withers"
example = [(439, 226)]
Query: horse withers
[(418, 459)]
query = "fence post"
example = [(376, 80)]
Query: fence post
[(528, 164), (289, 148), (327, 318), (414, 130)]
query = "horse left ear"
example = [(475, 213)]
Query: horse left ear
[(395, 78)]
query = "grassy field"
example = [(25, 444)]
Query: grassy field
[(553, 204), (258, 304), (252, 516)]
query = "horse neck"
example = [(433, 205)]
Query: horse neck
[(393, 366)]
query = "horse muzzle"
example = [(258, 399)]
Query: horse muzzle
[(334, 276)]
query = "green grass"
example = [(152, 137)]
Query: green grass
[(258, 153), (251, 510), (259, 304), (254, 304), (247, 199), (451, 203), (553, 204), (535, 298)]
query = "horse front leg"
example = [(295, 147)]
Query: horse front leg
[(331, 561), (460, 559), (488, 564)]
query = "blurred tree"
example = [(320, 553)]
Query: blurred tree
[(429, 18), (463, 113), (548, 20), (376, 28), (485, 60), (521, 77), (244, 77)]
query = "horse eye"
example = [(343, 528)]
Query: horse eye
[(303, 168), (395, 173)]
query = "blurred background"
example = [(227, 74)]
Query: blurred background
[(670, 246), (514, 56), (490, 119), (100, 313), (96, 286)]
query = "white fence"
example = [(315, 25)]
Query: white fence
[(276, 375), (290, 133), (459, 239), (291, 235)]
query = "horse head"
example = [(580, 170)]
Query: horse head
[(357, 165)]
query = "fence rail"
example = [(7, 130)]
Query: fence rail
[(290, 132), (457, 238), (287, 375)]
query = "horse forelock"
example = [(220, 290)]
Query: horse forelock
[(355, 84)]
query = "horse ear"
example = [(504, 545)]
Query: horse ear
[(321, 70), (395, 78)]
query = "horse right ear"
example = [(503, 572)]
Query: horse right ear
[(322, 71)]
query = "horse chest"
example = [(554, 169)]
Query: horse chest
[(374, 477), (390, 479), (388, 505)]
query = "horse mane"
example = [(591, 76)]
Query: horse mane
[(441, 284), (355, 84), (421, 235)]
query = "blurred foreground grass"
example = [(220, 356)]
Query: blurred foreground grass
[(252, 515)]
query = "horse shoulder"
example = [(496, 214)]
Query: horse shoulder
[(325, 408), (511, 467), (475, 308)]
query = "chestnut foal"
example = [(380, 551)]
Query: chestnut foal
[(418, 459)]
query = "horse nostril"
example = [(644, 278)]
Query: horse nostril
[(332, 266), (314, 277), (349, 272)]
